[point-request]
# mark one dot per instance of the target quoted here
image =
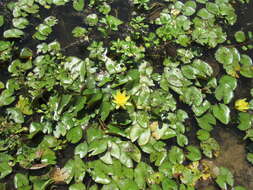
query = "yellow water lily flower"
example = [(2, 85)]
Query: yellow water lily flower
[(120, 99), (241, 105)]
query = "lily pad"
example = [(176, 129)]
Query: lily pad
[(221, 112)]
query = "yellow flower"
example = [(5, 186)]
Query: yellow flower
[(241, 105), (206, 176), (120, 99)]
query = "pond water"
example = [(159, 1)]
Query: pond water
[(233, 148)]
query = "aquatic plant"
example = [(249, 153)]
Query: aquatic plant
[(174, 69)]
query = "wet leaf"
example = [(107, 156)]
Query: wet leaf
[(144, 137), (250, 157), (81, 149), (76, 169), (1, 20), (21, 182), (78, 5), (221, 112), (224, 56), (240, 36), (194, 154), (203, 135), (247, 66), (210, 147), (77, 186), (13, 33), (16, 115), (97, 146), (24, 105), (169, 184), (5, 169), (20, 23), (189, 8), (224, 178), (176, 155), (182, 140), (74, 135), (246, 120)]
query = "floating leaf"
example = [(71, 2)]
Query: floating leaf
[(13, 33), (74, 135), (224, 56), (21, 182), (78, 5), (77, 186), (1, 20), (194, 154), (246, 121), (81, 149), (16, 115), (224, 178), (221, 112), (240, 36), (250, 157)]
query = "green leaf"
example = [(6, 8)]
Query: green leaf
[(221, 112), (16, 115), (224, 56), (240, 36), (135, 132), (246, 121), (21, 181), (140, 174), (74, 135), (77, 186), (13, 33), (176, 155), (1, 20), (75, 168), (93, 133), (189, 8), (224, 178), (24, 105), (194, 153), (250, 157), (20, 23), (92, 19), (240, 188), (81, 149), (231, 81), (6, 97), (247, 66), (192, 96), (127, 184), (169, 184), (5, 169), (204, 14), (203, 134), (209, 147), (199, 110), (182, 140), (105, 110), (212, 8), (97, 147), (144, 137), (227, 85), (79, 32), (78, 5), (48, 157), (40, 184), (100, 177), (26, 53)]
